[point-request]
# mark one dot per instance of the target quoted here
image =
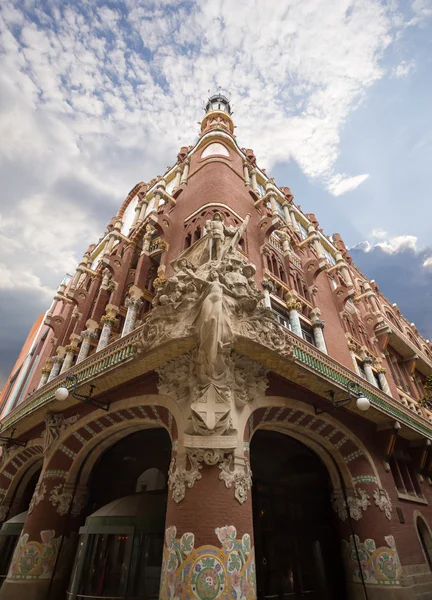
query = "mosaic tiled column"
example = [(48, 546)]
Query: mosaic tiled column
[(133, 305), (294, 306), (51, 525), (208, 550), (45, 374), (55, 369), (367, 365), (87, 337), (105, 335), (352, 349), (318, 333), (383, 381), (68, 359)]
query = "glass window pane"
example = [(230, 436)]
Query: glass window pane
[(146, 567)]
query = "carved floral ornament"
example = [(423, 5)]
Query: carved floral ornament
[(359, 502), (61, 497), (239, 476)]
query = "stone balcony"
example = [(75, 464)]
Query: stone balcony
[(120, 362)]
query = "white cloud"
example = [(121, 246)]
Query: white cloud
[(94, 100), (379, 234), (398, 243), (22, 280), (428, 262), (404, 68), (341, 184), (392, 245)]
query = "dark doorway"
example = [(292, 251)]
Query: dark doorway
[(296, 541), (119, 554)]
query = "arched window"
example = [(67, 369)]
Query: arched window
[(425, 539), (150, 480), (188, 241)]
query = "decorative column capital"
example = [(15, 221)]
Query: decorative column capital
[(71, 349), (109, 319), (89, 334), (268, 285), (133, 302)]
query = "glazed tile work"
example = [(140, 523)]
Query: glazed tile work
[(35, 560), (208, 572), (380, 565)]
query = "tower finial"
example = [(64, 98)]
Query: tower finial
[(218, 102)]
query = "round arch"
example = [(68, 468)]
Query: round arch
[(78, 448), (18, 467), (296, 417), (424, 535)]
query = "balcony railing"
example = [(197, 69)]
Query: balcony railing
[(307, 356), (116, 353)]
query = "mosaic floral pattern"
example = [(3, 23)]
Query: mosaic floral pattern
[(379, 565), (35, 560), (208, 572)]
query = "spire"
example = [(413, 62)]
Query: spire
[(218, 114)]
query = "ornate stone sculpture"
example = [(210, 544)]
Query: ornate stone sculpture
[(284, 237), (55, 424), (213, 298), (148, 236)]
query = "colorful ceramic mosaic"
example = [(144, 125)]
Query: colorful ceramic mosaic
[(379, 565), (35, 560), (208, 572)]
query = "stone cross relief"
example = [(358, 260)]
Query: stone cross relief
[(211, 296)]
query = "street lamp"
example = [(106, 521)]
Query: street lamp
[(62, 393), (354, 392)]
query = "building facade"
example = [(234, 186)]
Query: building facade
[(188, 421)]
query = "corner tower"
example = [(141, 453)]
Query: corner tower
[(214, 353)]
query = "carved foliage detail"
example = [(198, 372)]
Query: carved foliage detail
[(382, 500), (356, 504)]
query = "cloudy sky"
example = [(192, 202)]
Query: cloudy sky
[(334, 97)]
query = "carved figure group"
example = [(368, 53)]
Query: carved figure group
[(211, 296)]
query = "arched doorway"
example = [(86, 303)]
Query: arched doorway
[(425, 539), (296, 541), (119, 552), (11, 529)]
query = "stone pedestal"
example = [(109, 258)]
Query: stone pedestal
[(208, 550)]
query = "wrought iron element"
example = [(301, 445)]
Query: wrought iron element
[(86, 399), (10, 439), (354, 392)]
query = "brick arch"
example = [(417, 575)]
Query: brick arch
[(125, 417), (16, 467), (295, 417)]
